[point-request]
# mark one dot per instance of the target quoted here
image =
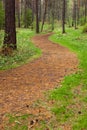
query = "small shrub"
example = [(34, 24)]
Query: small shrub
[(28, 18), (6, 51), (84, 29)]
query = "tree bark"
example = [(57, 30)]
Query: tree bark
[(10, 29), (37, 17), (75, 13), (44, 15), (85, 2), (63, 16)]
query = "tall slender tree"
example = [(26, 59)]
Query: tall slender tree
[(37, 17), (85, 2), (44, 15), (18, 10), (63, 16), (75, 13), (10, 29)]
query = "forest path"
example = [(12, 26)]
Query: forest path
[(21, 87)]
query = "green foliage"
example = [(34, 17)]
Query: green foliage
[(84, 28), (25, 52), (28, 18), (1, 16), (1, 38)]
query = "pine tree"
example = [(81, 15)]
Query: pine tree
[(10, 29)]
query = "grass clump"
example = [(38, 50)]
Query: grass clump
[(72, 93), (64, 93), (62, 113), (81, 123), (25, 52), (17, 122)]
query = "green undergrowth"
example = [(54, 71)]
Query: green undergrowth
[(17, 122), (25, 122), (70, 97), (26, 50)]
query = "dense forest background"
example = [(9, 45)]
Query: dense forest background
[(30, 12), (34, 14)]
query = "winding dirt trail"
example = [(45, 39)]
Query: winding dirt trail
[(20, 87)]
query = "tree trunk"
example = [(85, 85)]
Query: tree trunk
[(44, 15), (37, 17), (63, 16), (52, 21), (18, 11), (25, 11), (85, 2), (75, 13), (10, 29)]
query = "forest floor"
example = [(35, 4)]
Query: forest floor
[(22, 88)]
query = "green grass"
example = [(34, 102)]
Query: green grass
[(26, 51), (71, 96), (81, 123)]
